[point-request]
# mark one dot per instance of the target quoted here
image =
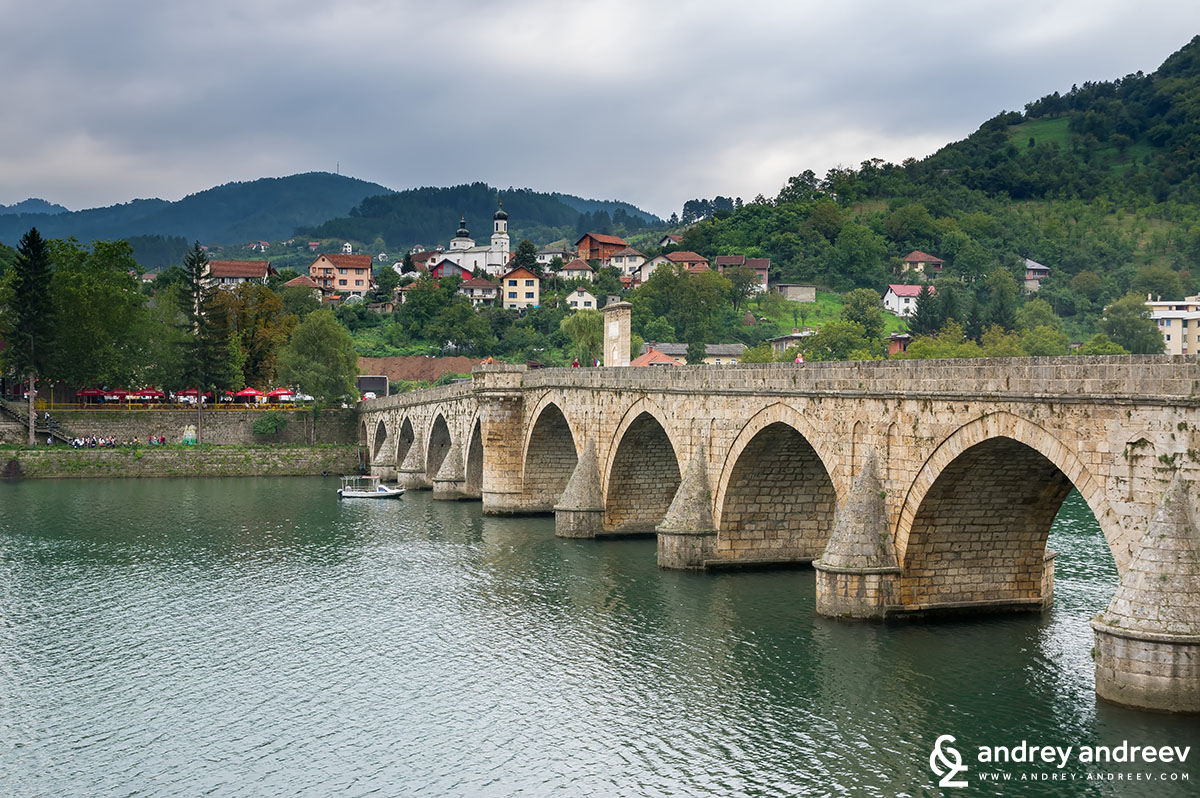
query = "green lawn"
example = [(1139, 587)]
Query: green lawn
[(1041, 130), (828, 307)]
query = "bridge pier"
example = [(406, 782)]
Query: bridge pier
[(687, 536), (411, 473), (579, 513), (501, 399), (451, 480), (1148, 639), (857, 575)]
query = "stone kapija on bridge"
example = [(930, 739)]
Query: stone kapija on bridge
[(912, 487)]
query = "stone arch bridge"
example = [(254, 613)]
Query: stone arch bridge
[(912, 487)]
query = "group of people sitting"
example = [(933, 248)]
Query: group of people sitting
[(94, 442)]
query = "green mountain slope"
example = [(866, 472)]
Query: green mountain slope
[(269, 209), (430, 216)]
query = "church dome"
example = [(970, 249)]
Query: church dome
[(463, 232), (500, 214)]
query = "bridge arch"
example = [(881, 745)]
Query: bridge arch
[(404, 440), (776, 498), (550, 454), (380, 438), (643, 470), (439, 443), (974, 524), (364, 444), (473, 486)]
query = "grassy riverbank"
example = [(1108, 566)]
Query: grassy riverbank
[(50, 462)]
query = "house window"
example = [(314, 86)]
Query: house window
[(733, 360), (587, 303), (341, 282), (529, 295), (512, 283), (341, 271), (358, 282), (512, 294), (529, 282)]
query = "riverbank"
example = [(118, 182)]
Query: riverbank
[(56, 462), (223, 427)]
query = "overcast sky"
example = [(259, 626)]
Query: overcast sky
[(649, 102)]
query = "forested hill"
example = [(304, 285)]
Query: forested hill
[(1137, 136), (430, 216), (268, 209), (31, 205)]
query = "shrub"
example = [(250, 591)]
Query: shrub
[(271, 422)]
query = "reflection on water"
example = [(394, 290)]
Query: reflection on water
[(259, 637)]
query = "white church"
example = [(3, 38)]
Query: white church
[(493, 258)]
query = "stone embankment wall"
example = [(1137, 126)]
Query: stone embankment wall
[(221, 427), (204, 461)]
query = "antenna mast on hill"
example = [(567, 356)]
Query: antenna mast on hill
[(337, 170)]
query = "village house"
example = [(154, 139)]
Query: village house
[(1034, 274), (448, 268), (782, 343), (546, 256), (1179, 323), (796, 292), (760, 266), (577, 270), (898, 342), (479, 290), (690, 261), (581, 298), (229, 274), (714, 354), (627, 261), (902, 299), (520, 289), (598, 246), (652, 357), (921, 263), (304, 281), (344, 275), (670, 240)]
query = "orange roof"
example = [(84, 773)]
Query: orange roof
[(602, 238), (477, 282), (652, 357), (303, 280), (684, 256), (348, 261), (518, 272), (698, 268), (576, 265), (918, 256), (256, 269)]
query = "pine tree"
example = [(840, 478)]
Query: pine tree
[(924, 319), (27, 319), (210, 355)]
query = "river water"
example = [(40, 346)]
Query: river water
[(258, 637)]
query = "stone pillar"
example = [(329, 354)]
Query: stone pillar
[(411, 473), (687, 536), (857, 574), (502, 423), (1148, 640), (617, 317), (580, 510), (451, 480)]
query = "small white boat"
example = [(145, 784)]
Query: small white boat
[(368, 487)]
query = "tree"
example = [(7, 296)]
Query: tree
[(863, 306), (386, 282), (260, 327), (1157, 281), (105, 341), (924, 319), (320, 359), (1043, 341), (659, 331), (27, 318), (839, 340), (1037, 313), (743, 282), (585, 328), (1127, 323), (298, 300), (1002, 307), (1099, 344), (525, 257), (209, 357), (760, 353)]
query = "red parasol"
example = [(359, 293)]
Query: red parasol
[(281, 392), (90, 392), (245, 392)]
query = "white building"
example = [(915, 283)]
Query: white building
[(627, 261), (581, 298), (492, 258), (1179, 323), (902, 299)]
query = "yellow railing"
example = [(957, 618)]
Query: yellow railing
[(42, 405)]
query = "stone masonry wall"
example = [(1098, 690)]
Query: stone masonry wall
[(204, 461), (550, 460), (980, 534), (780, 501), (645, 476), (221, 427)]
